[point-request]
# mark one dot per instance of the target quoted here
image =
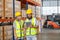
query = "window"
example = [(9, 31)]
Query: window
[(50, 6)]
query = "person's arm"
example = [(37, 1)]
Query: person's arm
[(14, 25), (36, 24), (25, 25), (15, 33)]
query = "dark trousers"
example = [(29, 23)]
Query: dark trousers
[(20, 39)]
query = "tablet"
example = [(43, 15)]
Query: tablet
[(28, 24)]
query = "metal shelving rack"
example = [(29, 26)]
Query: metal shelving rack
[(3, 16)]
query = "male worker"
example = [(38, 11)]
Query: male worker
[(31, 25), (18, 26)]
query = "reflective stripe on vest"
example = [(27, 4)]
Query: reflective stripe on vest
[(19, 32), (33, 30)]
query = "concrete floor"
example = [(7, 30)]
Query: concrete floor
[(49, 34)]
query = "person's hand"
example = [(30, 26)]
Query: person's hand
[(16, 38), (23, 29), (30, 25), (35, 26)]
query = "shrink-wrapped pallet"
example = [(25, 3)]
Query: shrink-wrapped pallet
[(1, 33), (1, 8), (8, 37), (8, 32), (29, 6), (9, 8), (17, 6), (1, 38), (38, 1), (23, 13), (33, 11), (32, 8), (38, 9), (38, 13), (8, 27), (0, 28)]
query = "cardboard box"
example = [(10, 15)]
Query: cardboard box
[(1, 12), (1, 34), (23, 13), (9, 0), (38, 13), (1, 38), (7, 28), (9, 33), (1, 28), (5, 33), (29, 6), (8, 37), (9, 14), (9, 8), (1, 8), (33, 11), (1, 1), (17, 6)]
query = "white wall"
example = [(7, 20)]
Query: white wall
[(49, 10)]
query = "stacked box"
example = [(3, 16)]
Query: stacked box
[(1, 8), (1, 38), (8, 32), (39, 1), (17, 6), (1, 33), (23, 13), (29, 6), (0, 28), (38, 13), (38, 8), (9, 8), (33, 10), (7, 27)]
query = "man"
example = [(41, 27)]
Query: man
[(18, 26), (31, 26)]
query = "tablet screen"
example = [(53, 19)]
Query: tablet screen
[(28, 24)]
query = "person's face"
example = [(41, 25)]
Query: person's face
[(29, 15), (19, 17)]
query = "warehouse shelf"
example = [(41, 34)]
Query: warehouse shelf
[(3, 20), (30, 2), (33, 2)]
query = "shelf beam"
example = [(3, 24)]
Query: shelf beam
[(31, 2)]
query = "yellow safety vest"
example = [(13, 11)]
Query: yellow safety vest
[(31, 31), (19, 32)]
